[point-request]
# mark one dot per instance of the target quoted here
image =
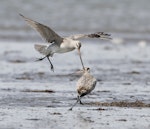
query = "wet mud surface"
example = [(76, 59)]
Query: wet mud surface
[(122, 104), (32, 96)]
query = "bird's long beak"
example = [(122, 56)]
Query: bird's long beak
[(80, 57)]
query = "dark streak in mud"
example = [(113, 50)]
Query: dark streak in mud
[(104, 91), (17, 61), (34, 119), (121, 104), (98, 109), (56, 113), (124, 120), (134, 72), (126, 83), (42, 91)]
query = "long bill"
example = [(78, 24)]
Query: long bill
[(80, 57)]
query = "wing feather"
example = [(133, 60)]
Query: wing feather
[(47, 33), (100, 35)]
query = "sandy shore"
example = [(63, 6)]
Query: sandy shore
[(31, 96)]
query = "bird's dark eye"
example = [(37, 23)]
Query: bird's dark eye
[(88, 68)]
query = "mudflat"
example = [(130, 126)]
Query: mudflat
[(31, 96)]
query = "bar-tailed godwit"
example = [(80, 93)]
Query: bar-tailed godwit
[(84, 85), (58, 43)]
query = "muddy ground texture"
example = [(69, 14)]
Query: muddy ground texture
[(32, 96)]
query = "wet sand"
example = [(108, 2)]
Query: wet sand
[(31, 96)]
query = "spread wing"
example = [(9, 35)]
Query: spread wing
[(100, 35), (47, 33)]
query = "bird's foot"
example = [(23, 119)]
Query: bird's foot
[(70, 109), (81, 103), (40, 59), (52, 68)]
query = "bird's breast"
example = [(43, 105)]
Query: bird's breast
[(66, 47), (64, 50)]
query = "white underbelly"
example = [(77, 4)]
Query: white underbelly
[(65, 46)]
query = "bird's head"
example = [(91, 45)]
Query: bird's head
[(86, 69), (82, 71)]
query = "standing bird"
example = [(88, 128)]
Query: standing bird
[(59, 44), (85, 85)]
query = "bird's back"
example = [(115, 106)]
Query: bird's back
[(86, 84)]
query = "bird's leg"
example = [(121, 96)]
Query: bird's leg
[(52, 67), (81, 102), (40, 59), (78, 99), (47, 56)]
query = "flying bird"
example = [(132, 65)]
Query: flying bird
[(59, 44), (85, 85)]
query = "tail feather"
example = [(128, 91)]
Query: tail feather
[(41, 49)]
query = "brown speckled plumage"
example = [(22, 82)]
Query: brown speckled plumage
[(85, 85)]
